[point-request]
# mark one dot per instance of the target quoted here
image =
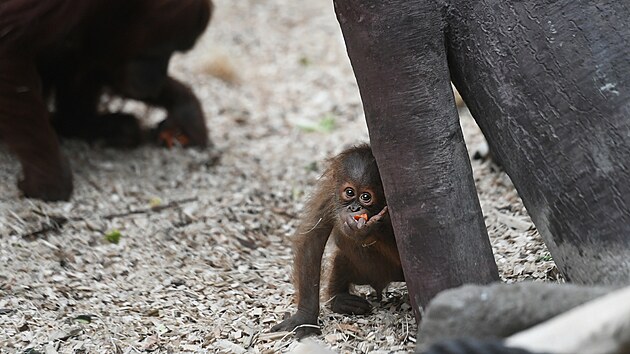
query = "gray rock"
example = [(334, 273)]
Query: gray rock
[(498, 310)]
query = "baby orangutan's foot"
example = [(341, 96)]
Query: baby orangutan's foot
[(350, 304)]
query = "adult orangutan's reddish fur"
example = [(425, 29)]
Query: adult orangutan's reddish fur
[(67, 53)]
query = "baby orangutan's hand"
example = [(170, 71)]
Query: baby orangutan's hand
[(361, 224)]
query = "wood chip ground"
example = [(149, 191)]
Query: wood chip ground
[(203, 260)]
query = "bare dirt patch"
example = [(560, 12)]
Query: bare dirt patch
[(202, 262)]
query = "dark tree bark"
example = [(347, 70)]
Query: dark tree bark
[(401, 68), (549, 84)]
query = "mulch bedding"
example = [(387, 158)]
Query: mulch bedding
[(183, 250)]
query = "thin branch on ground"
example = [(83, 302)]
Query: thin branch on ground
[(57, 222)]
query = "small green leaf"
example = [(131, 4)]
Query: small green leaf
[(113, 236), (311, 166), (84, 319), (296, 194), (304, 61), (547, 257), (155, 202), (325, 125)]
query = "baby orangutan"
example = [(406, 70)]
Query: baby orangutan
[(349, 204)]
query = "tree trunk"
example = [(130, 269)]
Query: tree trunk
[(548, 82), (397, 49)]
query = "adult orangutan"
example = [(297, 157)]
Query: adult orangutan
[(57, 57)]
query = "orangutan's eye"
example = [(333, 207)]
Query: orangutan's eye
[(349, 192), (365, 197)]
